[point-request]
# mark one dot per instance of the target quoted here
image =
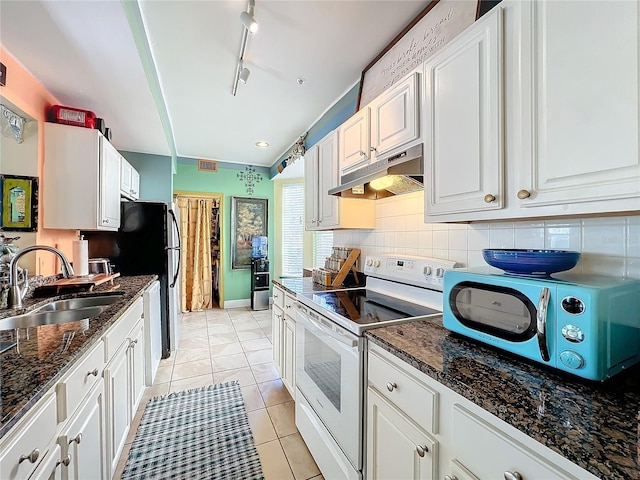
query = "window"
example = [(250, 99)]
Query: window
[(292, 229), (322, 245)]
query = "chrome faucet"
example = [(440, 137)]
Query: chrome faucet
[(15, 296)]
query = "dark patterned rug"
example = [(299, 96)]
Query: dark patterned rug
[(202, 433)]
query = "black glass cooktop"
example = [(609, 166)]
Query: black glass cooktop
[(365, 307)]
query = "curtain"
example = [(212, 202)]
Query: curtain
[(195, 232)]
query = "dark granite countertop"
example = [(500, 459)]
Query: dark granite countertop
[(46, 353), (594, 425)]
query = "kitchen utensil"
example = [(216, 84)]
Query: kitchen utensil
[(541, 263)]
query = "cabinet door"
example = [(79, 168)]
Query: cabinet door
[(135, 184), (397, 447), (84, 440), (125, 177), (277, 328), (311, 178), (328, 177), (463, 121), (355, 141), (137, 366), (117, 378), (581, 93), (51, 467), (109, 185), (395, 116), (289, 355)]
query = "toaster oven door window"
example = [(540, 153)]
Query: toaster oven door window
[(500, 311)]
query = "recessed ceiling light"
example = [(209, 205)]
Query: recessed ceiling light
[(262, 144)]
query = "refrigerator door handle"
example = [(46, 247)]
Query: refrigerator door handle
[(178, 248)]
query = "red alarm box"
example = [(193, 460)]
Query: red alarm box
[(72, 116)]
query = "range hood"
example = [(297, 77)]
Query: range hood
[(393, 175)]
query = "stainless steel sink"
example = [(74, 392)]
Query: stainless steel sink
[(80, 302), (51, 317)]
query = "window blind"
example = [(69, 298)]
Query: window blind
[(322, 245), (292, 229)]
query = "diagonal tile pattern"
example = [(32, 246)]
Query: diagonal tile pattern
[(235, 344)]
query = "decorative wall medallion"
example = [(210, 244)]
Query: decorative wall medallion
[(250, 177)]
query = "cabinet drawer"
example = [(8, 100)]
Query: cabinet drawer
[(289, 306), (35, 433), (119, 331), (488, 452), (278, 296), (71, 390), (414, 398)]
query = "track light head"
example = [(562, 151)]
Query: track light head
[(249, 22), (243, 76)]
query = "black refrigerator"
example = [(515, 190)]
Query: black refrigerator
[(148, 242)]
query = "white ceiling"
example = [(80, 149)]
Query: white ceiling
[(85, 54)]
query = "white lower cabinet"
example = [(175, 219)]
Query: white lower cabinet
[(83, 439), (396, 446), (283, 331), (277, 327), (124, 377), (466, 443), (289, 355), (76, 431)]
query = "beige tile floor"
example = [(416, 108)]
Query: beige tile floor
[(235, 344)]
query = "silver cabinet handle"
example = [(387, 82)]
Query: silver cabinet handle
[(32, 457), (450, 477), (287, 307), (77, 439), (65, 461), (93, 372), (512, 476), (422, 450), (391, 386), (133, 342), (541, 324)]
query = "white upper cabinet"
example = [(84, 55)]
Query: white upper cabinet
[(463, 121), (324, 211), (581, 94), (355, 141), (533, 112), (129, 180), (394, 116), (82, 175), (390, 121)]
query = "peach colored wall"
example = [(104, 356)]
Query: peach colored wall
[(28, 94)]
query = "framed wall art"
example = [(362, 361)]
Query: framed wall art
[(18, 203), (248, 219)]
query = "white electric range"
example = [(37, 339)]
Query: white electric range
[(330, 351)]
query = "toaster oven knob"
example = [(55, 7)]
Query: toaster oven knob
[(573, 305), (572, 333), (572, 359)]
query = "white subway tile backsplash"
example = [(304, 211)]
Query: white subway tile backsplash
[(441, 240), (501, 237), (530, 237), (458, 239), (478, 238), (609, 245)]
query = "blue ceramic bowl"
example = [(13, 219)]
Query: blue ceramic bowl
[(540, 263)]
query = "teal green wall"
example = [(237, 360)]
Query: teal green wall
[(341, 111), (155, 175), (235, 284)]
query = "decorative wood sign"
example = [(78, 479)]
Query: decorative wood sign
[(433, 28)]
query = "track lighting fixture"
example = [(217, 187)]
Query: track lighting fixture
[(250, 26)]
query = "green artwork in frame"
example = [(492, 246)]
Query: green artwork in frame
[(18, 203)]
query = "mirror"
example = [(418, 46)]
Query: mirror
[(20, 159)]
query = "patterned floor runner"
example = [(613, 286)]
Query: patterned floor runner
[(202, 433)]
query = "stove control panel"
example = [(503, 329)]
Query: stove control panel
[(420, 271)]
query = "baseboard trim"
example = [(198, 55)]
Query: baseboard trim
[(237, 303)]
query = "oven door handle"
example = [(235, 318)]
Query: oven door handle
[(541, 323), (316, 324)]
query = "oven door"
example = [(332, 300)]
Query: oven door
[(329, 373)]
